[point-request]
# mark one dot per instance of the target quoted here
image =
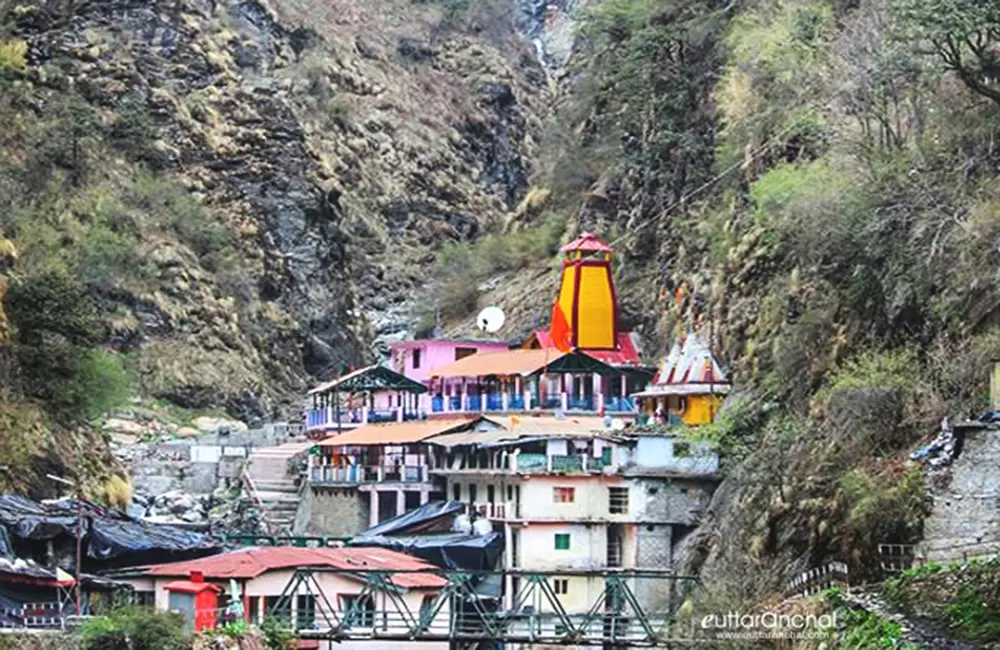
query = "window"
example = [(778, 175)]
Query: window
[(510, 493), (305, 612), (491, 494), (357, 610), (563, 494), (461, 353), (143, 598), (562, 541), (278, 607), (473, 493), (456, 492), (416, 358), (560, 586), (618, 500)]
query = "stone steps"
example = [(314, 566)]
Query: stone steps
[(278, 492)]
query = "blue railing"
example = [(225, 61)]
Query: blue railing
[(494, 402), (455, 403), (582, 404), (620, 404), (516, 403), (474, 403), (437, 404), (381, 415), (553, 402)]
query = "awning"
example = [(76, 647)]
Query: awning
[(524, 363), (372, 378)]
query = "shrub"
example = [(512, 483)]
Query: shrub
[(276, 635), (134, 628), (175, 210), (118, 492), (12, 56)]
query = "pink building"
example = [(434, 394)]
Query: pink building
[(418, 359)]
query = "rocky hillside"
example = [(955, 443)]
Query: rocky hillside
[(249, 192)]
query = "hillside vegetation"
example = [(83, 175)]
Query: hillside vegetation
[(820, 179)]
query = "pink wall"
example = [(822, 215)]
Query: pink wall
[(434, 354)]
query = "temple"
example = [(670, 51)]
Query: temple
[(583, 364), (688, 388)]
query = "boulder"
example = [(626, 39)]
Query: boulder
[(207, 424), (127, 427), (187, 432)]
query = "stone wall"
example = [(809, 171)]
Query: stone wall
[(665, 500), (965, 519), (332, 511), (653, 551)]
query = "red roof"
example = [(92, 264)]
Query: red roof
[(247, 563), (625, 355), (588, 243)]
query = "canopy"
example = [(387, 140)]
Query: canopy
[(373, 378)]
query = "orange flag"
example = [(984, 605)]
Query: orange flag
[(560, 330)]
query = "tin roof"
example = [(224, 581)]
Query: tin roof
[(524, 363), (516, 428), (587, 242), (248, 563), (625, 355), (690, 362), (400, 433), (371, 378)]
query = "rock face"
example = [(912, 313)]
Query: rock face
[(339, 142)]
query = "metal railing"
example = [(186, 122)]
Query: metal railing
[(358, 474)]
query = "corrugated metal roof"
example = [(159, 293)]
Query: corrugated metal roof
[(399, 433), (516, 428), (511, 362), (248, 563), (625, 355), (689, 362), (374, 377), (588, 242)]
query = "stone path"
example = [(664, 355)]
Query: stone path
[(917, 633)]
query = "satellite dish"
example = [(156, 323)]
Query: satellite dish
[(491, 319), (617, 425)]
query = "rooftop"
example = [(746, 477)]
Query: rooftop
[(401, 433), (372, 378), (248, 563), (625, 355), (587, 243), (524, 363)]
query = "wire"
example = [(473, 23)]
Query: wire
[(712, 181)]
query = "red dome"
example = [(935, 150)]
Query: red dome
[(588, 243)]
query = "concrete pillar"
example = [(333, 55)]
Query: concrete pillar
[(373, 510), (505, 399), (527, 400), (599, 404), (565, 401), (484, 396), (329, 414), (465, 396), (425, 496), (446, 390), (400, 407), (364, 414), (400, 502)]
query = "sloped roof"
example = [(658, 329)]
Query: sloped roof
[(248, 563), (689, 368), (588, 243), (517, 428), (625, 355), (401, 433), (524, 363), (375, 378)]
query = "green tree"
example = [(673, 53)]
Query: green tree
[(964, 34)]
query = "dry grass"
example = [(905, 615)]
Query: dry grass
[(118, 492)]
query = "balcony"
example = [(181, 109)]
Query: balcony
[(493, 511), (543, 464), (620, 405), (328, 475), (326, 418)]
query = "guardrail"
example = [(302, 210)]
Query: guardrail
[(816, 580)]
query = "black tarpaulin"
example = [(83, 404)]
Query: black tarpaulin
[(108, 534), (446, 550), (435, 516)]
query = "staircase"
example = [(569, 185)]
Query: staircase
[(267, 483)]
